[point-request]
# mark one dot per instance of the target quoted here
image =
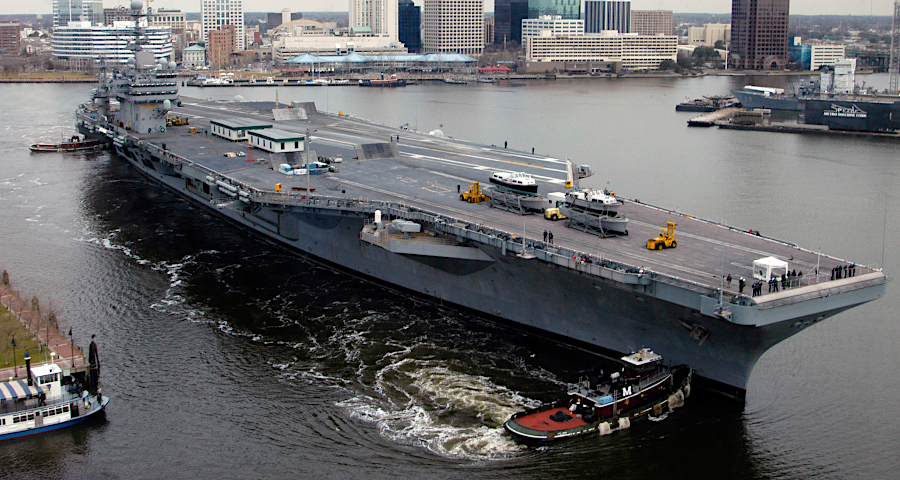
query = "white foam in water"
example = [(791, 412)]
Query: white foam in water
[(172, 302), (434, 391)]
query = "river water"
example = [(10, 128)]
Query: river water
[(226, 357)]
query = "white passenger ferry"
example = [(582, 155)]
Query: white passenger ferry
[(43, 402)]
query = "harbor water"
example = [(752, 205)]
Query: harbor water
[(227, 357)]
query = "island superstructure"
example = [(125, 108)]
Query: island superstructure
[(390, 212)]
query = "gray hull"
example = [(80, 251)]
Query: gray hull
[(614, 309), (750, 101)]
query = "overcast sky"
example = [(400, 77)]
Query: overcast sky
[(800, 7)]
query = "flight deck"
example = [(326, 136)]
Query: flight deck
[(431, 170)]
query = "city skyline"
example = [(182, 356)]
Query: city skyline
[(798, 7)]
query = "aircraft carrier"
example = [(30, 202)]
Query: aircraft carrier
[(391, 212)]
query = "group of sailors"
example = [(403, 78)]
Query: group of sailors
[(843, 270), (788, 279)]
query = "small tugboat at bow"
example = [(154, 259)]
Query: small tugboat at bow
[(644, 387), (74, 144)]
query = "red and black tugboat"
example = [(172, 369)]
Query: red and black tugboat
[(391, 81), (74, 144), (644, 387)]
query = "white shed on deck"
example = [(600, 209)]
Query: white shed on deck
[(235, 129), (277, 141), (766, 268)]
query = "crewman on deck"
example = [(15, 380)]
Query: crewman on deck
[(741, 284), (728, 281)]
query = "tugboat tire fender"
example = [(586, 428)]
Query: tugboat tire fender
[(603, 429)]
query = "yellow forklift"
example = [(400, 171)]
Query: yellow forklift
[(666, 238), (474, 194)]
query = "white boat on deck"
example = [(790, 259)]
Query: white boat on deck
[(42, 403), (602, 202), (515, 181)]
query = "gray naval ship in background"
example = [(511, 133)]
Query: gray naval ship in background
[(391, 213)]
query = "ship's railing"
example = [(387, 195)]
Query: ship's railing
[(564, 257), (10, 406), (822, 292), (652, 379)]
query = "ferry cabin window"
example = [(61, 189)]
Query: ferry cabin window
[(282, 145), (296, 144)]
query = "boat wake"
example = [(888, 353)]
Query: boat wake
[(450, 413), (171, 302)]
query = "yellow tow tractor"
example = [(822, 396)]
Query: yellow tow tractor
[(553, 214), (666, 238), (474, 194), (177, 121)]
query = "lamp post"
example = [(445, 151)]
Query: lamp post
[(15, 359)]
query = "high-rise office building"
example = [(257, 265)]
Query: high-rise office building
[(759, 34), (567, 9), (81, 44), (652, 22), (379, 15), (65, 11), (508, 16), (410, 25), (9, 38), (488, 30), (216, 14), (601, 15), (220, 45), (454, 26), (556, 25)]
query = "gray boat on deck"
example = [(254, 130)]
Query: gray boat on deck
[(389, 214)]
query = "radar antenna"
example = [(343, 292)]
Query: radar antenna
[(894, 66)]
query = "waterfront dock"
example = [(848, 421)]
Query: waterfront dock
[(43, 330), (710, 119), (806, 129)]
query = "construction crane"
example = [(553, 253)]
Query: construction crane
[(894, 67)]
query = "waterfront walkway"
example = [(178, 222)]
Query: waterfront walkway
[(67, 355)]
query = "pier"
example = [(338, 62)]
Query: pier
[(807, 129), (44, 331), (710, 119)]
